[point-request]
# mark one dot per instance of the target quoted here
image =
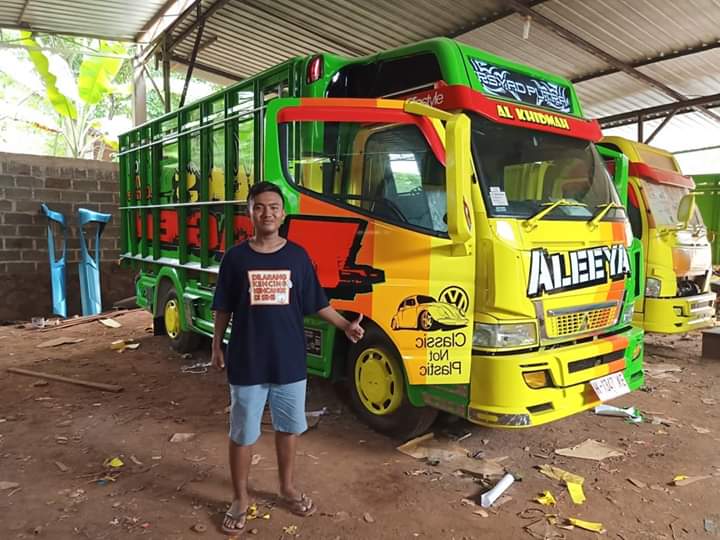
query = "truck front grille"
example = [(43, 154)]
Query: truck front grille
[(577, 322)]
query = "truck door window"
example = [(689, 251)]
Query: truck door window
[(389, 171), (402, 179)]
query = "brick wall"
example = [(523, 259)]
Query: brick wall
[(64, 185)]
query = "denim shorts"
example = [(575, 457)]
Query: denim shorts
[(287, 408)]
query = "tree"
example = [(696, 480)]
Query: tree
[(77, 101)]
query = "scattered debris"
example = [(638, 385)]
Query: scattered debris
[(590, 449), (368, 518), (340, 516), (199, 528), (80, 382), (110, 323), (682, 480), (197, 367), (435, 452), (114, 463), (415, 447), (663, 372), (182, 437), (121, 344), (256, 458), (7, 485), (632, 414), (709, 401), (711, 525), (546, 499), (587, 525), (542, 529), (291, 530), (573, 482), (489, 497), (60, 465), (700, 429), (40, 383), (664, 420), (135, 460), (480, 512), (637, 483), (66, 340)]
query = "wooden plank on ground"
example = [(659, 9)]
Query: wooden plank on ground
[(60, 378)]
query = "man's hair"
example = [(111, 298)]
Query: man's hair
[(264, 187)]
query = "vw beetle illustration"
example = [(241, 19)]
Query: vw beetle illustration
[(421, 312)]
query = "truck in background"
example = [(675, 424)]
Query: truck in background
[(663, 213)]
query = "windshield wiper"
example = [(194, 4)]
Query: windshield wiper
[(531, 222), (604, 209)]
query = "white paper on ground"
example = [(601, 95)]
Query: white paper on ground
[(630, 413), (489, 497)]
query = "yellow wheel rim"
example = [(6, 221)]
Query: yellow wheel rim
[(379, 382), (172, 318)]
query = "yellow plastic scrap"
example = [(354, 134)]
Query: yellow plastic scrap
[(252, 512), (680, 477), (573, 482), (587, 525), (546, 499), (576, 492), (115, 463), (118, 345)]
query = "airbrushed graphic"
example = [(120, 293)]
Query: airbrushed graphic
[(422, 312), (504, 83)]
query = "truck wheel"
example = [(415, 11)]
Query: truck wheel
[(181, 340), (377, 389)]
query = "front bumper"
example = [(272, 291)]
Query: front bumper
[(499, 396), (678, 315)]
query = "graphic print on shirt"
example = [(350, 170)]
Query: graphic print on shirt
[(269, 287)]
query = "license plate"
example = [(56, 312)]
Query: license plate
[(610, 386)]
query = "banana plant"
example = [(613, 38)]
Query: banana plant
[(75, 100)]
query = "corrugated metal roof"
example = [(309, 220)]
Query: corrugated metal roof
[(256, 34), (121, 21), (247, 36)]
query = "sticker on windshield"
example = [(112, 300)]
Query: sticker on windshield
[(498, 197), (551, 273)]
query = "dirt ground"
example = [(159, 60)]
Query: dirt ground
[(56, 438)]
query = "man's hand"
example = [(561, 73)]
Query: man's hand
[(218, 358), (354, 331)]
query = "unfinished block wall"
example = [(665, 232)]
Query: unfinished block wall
[(64, 185)]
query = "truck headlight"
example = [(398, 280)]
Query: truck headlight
[(652, 287), (504, 335), (627, 315)]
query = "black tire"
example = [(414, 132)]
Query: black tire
[(425, 321), (404, 422), (185, 341)]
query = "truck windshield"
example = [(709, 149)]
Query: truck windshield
[(663, 201), (523, 172)]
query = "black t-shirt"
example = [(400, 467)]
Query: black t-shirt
[(268, 295)]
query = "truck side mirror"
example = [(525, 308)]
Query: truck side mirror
[(686, 208)]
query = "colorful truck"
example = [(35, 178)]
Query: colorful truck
[(678, 266), (471, 222)]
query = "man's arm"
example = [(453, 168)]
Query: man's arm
[(353, 330), (222, 319)]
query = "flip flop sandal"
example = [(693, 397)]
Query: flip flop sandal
[(237, 519), (302, 507)]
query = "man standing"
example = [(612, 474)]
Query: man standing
[(267, 285)]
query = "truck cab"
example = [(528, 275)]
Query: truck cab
[(678, 265)]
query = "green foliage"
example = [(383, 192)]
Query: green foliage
[(97, 73), (60, 102)]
